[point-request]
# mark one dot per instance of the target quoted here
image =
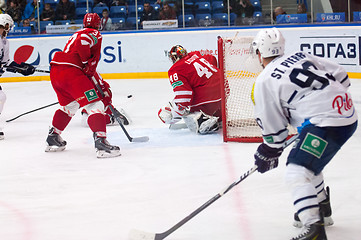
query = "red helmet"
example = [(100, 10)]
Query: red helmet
[(177, 52), (91, 20)]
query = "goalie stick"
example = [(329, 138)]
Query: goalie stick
[(141, 235), (32, 111), (117, 117)]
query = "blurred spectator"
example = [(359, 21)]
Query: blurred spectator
[(148, 13), (244, 10), (102, 3), (119, 3), (167, 12), (65, 10), (26, 23), (22, 5), (48, 13), (14, 11), (278, 11), (301, 8), (106, 21), (31, 10)]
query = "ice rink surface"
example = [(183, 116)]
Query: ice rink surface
[(72, 195)]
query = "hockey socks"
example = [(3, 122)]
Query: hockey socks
[(61, 120), (96, 122)]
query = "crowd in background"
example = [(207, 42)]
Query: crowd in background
[(243, 12)]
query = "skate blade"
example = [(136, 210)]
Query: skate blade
[(54, 149), (328, 221), (104, 154)]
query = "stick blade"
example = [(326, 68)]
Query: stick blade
[(140, 235), (140, 139)]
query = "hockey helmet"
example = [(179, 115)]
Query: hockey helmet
[(269, 43), (7, 22), (177, 52), (91, 20)]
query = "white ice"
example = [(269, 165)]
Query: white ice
[(72, 195)]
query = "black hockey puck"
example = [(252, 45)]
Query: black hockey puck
[(129, 96)]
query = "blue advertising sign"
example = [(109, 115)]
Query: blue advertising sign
[(330, 17), (292, 18)]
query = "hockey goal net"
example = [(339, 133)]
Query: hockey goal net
[(240, 69)]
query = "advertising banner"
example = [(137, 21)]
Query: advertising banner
[(145, 54)]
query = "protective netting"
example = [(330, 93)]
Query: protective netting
[(240, 69)]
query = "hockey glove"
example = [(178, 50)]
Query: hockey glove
[(90, 67), (168, 115), (267, 157), (23, 68)]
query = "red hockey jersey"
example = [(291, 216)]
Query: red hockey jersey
[(195, 81), (82, 49)]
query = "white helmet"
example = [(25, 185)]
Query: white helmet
[(269, 42), (6, 19)]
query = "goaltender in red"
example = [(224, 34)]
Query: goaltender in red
[(196, 84)]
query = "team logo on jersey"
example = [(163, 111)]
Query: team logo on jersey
[(176, 84), (26, 53), (314, 145), (342, 103), (91, 95)]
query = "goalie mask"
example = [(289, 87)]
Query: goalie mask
[(7, 22), (269, 43), (91, 20), (177, 52)]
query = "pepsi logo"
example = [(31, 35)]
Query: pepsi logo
[(27, 54)]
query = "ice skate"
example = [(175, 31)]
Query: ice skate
[(315, 231), (55, 142), (325, 211), (104, 149), (2, 136)]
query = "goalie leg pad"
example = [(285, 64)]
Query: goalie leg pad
[(201, 123)]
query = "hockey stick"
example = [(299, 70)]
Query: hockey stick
[(117, 117), (43, 71), (32, 111), (36, 70), (141, 235)]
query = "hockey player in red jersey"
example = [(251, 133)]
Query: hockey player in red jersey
[(71, 74), (195, 80)]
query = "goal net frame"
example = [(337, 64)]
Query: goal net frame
[(239, 70)]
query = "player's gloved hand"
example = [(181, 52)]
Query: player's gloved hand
[(168, 116), (23, 68), (107, 99), (267, 157), (90, 67), (26, 69)]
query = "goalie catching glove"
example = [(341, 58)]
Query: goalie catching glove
[(23, 68), (171, 113), (267, 157)]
